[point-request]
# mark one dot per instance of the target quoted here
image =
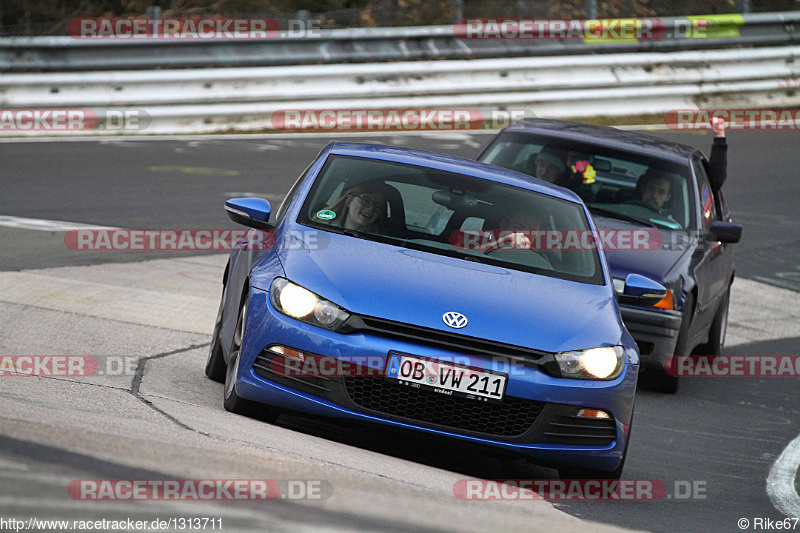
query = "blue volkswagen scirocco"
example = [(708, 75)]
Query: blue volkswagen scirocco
[(395, 290)]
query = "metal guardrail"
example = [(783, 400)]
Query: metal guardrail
[(360, 45), (404, 80), (245, 99)]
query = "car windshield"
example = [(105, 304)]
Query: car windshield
[(451, 214), (612, 183)]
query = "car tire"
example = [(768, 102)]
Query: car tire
[(658, 379), (716, 335), (215, 365), (231, 399)]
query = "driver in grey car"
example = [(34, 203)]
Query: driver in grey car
[(655, 189)]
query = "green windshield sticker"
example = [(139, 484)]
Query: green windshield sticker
[(326, 214)]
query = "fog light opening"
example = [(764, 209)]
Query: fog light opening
[(287, 352), (593, 413)]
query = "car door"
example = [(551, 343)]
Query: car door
[(710, 270)]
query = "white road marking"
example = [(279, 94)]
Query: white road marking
[(781, 480), (791, 285), (5, 464), (45, 225), (57, 480)]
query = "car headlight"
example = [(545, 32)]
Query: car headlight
[(594, 363), (300, 303)]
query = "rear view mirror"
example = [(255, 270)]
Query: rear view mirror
[(641, 291), (727, 232), (454, 200), (603, 165), (250, 212)]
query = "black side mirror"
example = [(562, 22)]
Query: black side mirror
[(726, 232)]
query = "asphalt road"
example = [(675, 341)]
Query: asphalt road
[(721, 435), (182, 184)]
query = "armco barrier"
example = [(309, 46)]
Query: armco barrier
[(367, 45), (579, 85), (476, 81), (220, 100)]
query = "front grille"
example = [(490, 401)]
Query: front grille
[(441, 339), (510, 418), (581, 431)]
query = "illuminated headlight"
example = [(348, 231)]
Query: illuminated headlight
[(594, 363), (300, 303)]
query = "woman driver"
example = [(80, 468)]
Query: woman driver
[(359, 208)]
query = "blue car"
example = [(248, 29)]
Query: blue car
[(633, 182), (360, 299)]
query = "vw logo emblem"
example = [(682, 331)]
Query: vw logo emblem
[(454, 320)]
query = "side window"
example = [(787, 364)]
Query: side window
[(708, 207), (288, 198)]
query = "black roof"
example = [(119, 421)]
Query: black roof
[(605, 136)]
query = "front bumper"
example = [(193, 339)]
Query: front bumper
[(551, 402), (655, 332)]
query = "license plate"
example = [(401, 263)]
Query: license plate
[(445, 378)]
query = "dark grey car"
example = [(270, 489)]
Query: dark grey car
[(694, 259)]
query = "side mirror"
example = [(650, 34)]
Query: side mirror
[(641, 291), (727, 232), (250, 212)]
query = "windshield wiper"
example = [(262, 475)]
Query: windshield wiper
[(340, 230), (614, 214)]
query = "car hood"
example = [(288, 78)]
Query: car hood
[(655, 263), (416, 287)]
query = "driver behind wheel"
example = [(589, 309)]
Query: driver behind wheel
[(655, 189), (517, 228)]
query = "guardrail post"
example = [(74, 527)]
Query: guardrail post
[(591, 9), (153, 12), (456, 10)]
